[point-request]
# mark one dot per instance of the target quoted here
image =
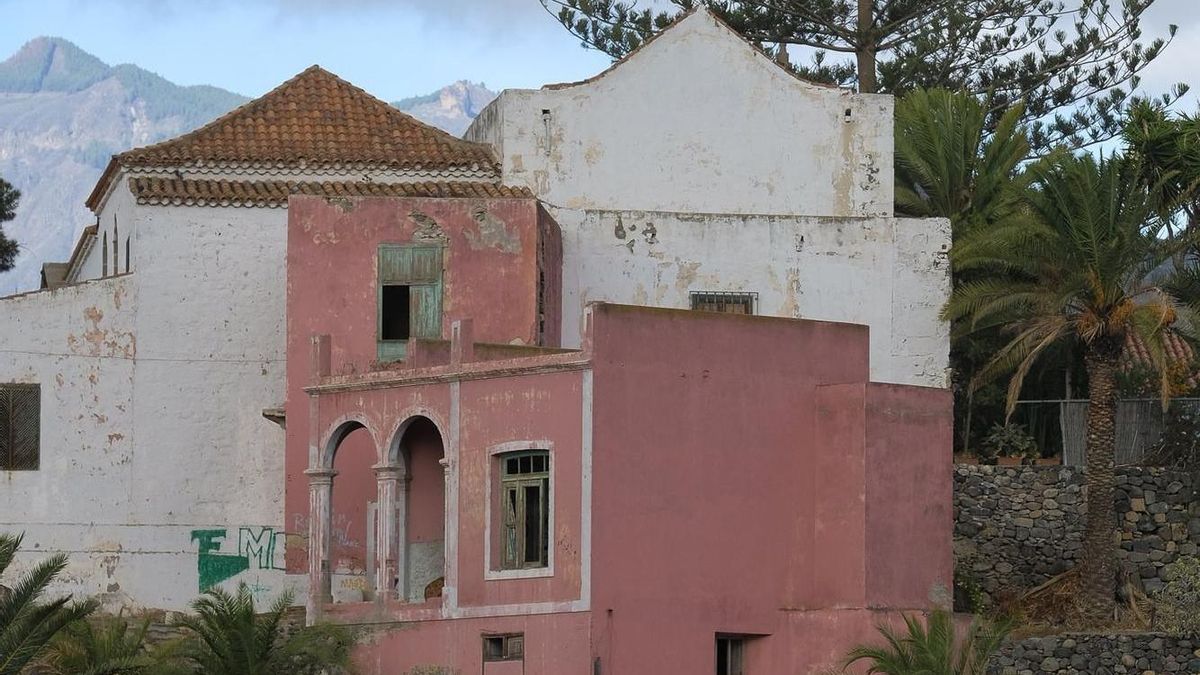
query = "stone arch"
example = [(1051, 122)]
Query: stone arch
[(338, 431)]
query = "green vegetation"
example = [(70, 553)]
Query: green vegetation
[(9, 198), (931, 648), (1010, 440), (27, 624), (109, 646), (1075, 269), (233, 639)]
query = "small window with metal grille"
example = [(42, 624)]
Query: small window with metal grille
[(510, 647), (722, 301), (20, 426)]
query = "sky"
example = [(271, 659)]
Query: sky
[(392, 48)]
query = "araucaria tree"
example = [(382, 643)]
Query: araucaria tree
[(1073, 63), (1078, 269), (8, 210)]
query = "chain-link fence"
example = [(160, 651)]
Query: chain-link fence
[(1060, 426)]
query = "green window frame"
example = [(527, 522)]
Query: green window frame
[(409, 291), (525, 509)]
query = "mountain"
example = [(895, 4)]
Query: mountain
[(64, 112), (450, 108)]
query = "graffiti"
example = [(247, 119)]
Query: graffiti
[(259, 545), (256, 547)]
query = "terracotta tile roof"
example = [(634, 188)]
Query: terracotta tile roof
[(1178, 351), (313, 121), (176, 192)]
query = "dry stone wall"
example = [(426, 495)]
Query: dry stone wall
[(1016, 527), (1111, 654)]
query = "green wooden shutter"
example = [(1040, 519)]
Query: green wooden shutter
[(420, 268), (425, 310)]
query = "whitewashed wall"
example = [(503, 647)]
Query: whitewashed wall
[(153, 385), (890, 274), (700, 164), (697, 121)]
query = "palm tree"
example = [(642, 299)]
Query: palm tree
[(935, 649), (231, 639), (1077, 271), (26, 623), (949, 166), (109, 647)]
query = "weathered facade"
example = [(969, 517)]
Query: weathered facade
[(695, 173), (157, 470), (684, 480), (697, 164)]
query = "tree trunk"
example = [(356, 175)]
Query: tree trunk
[(1098, 564), (866, 48)]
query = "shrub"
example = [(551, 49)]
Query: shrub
[(932, 648), (1176, 604), (1011, 440)]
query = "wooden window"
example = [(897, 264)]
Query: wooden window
[(729, 303), (730, 654), (20, 426), (525, 509), (410, 297), (510, 647)]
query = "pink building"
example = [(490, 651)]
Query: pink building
[(689, 492)]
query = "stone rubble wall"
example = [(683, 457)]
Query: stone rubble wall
[(1077, 654), (1016, 527)]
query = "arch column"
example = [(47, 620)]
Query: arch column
[(320, 535), (392, 499)]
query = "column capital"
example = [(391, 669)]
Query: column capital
[(323, 476), (388, 471)]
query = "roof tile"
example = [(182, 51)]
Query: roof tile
[(315, 120), (182, 192)]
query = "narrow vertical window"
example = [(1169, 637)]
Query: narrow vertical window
[(525, 496), (730, 651), (116, 247), (127, 254), (104, 256), (20, 426)]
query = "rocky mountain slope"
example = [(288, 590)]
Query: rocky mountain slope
[(64, 112)]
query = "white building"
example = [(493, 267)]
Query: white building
[(698, 164), (695, 172), (156, 468)]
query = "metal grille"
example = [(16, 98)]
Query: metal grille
[(20, 426), (720, 301)]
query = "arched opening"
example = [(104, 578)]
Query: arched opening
[(351, 563), (423, 530)]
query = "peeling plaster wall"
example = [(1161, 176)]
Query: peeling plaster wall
[(698, 164), (697, 120), (890, 274), (154, 483)]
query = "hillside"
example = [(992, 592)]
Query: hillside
[(64, 112)]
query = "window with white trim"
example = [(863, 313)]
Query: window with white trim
[(524, 509)]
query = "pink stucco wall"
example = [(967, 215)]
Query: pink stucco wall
[(491, 274), (355, 488), (734, 494)]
